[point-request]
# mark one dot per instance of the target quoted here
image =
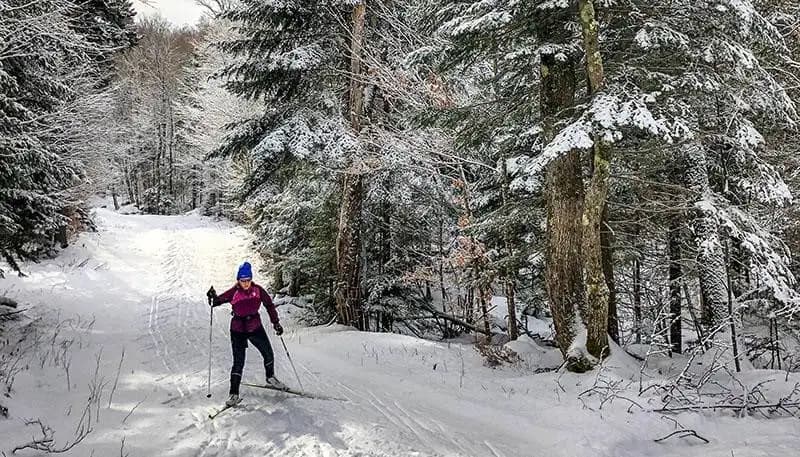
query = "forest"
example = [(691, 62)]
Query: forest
[(623, 170)]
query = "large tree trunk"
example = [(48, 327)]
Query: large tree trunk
[(348, 252), (564, 196), (348, 240), (710, 256), (356, 93), (596, 286), (674, 248), (564, 276)]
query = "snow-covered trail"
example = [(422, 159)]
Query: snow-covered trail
[(137, 286)]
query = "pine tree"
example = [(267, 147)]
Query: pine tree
[(641, 106), (700, 63), (109, 26), (318, 67), (33, 171), (524, 56)]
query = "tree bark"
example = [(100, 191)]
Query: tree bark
[(564, 274), (675, 280), (348, 252), (564, 202), (469, 306), (732, 321), (596, 195), (348, 241), (442, 288), (710, 256), (128, 182), (277, 279), (385, 235), (157, 168), (637, 298), (171, 146), (607, 239), (294, 284), (487, 327), (356, 94), (137, 188), (509, 274), (513, 328), (114, 197)]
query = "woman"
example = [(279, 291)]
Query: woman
[(245, 299)]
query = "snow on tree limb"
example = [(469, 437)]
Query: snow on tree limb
[(609, 118), (768, 257)]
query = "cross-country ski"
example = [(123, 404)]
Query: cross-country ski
[(291, 391), (216, 413)]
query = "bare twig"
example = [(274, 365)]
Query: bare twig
[(133, 409), (46, 442), (682, 434), (116, 378)]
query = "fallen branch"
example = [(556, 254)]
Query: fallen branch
[(683, 433), (778, 405), (447, 317), (8, 315), (46, 442)]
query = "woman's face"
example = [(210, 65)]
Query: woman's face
[(245, 283)]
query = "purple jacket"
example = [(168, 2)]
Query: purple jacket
[(246, 303)]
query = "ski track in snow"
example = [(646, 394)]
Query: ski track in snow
[(150, 299)]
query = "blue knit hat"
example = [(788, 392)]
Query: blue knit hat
[(245, 272)]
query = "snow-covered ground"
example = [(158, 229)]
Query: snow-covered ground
[(137, 287)]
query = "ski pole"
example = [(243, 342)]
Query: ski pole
[(210, 332), (292, 363)]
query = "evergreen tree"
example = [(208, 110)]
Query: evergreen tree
[(698, 64), (32, 171), (327, 125), (109, 26), (40, 95), (641, 105)]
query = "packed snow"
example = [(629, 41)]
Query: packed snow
[(120, 318)]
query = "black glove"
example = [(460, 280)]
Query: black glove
[(212, 297), (278, 329)]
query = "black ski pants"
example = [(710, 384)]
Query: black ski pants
[(239, 345)]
